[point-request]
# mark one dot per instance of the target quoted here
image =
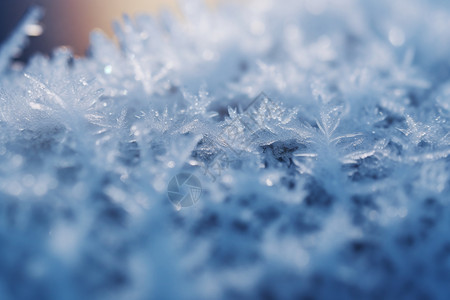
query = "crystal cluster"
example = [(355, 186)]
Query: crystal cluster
[(319, 130)]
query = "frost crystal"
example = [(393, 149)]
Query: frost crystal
[(319, 131), (14, 45)]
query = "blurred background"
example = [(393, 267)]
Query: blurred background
[(69, 22)]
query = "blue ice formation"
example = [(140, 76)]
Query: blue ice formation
[(319, 130)]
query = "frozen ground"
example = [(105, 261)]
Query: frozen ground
[(319, 131)]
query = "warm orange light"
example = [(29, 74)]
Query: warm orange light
[(77, 18)]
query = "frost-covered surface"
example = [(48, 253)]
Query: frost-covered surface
[(340, 190)]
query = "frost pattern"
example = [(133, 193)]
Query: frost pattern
[(319, 130)]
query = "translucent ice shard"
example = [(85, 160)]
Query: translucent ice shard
[(16, 42)]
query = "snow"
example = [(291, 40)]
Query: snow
[(319, 131)]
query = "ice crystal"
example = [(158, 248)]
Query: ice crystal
[(319, 131)]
